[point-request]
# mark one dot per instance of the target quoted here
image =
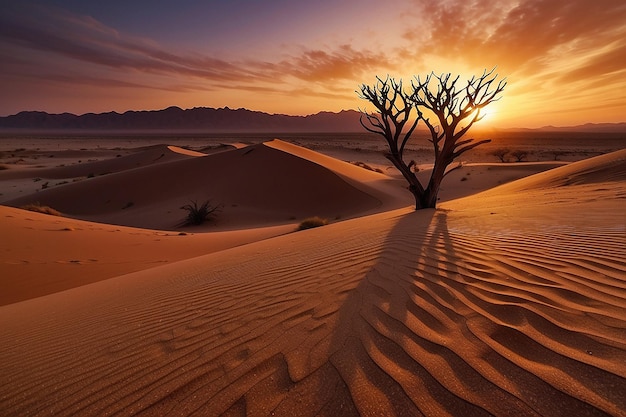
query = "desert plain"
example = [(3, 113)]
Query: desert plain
[(509, 299)]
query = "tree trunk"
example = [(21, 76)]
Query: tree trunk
[(429, 198), (423, 200)]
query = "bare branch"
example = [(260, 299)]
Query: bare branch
[(454, 168), (467, 148), (391, 120), (450, 103)]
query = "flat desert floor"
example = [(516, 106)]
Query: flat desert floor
[(509, 299)]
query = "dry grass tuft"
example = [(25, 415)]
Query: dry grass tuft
[(198, 214), (312, 222), (38, 208)]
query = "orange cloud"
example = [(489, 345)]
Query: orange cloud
[(554, 53), (341, 63)]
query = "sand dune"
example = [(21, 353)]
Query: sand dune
[(45, 254), (503, 303), (604, 168), (143, 157), (48, 169), (49, 254), (255, 185)]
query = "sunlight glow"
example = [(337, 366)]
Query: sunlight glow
[(487, 115), (297, 58)]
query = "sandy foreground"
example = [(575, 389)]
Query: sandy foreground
[(506, 301)]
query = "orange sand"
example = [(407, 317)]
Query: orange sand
[(509, 302)]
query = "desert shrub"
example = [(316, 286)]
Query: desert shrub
[(312, 222), (198, 214), (38, 208), (556, 154), (500, 153), (519, 155)]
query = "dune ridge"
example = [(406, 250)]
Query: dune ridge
[(142, 157), (256, 185), (503, 303)]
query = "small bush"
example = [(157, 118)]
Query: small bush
[(519, 155), (198, 214), (556, 154), (500, 153), (38, 208), (312, 222)]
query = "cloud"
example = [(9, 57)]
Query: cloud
[(86, 40), (600, 63), (575, 48), (525, 36), (565, 52), (96, 54), (341, 63)]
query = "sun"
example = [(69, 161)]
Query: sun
[(487, 115)]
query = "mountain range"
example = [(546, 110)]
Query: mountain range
[(199, 119), (224, 119)]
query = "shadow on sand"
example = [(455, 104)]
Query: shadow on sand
[(398, 317), (438, 326)]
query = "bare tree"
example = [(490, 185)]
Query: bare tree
[(501, 153), (393, 114), (557, 153), (450, 105), (519, 155)]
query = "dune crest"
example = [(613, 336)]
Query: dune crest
[(257, 186), (503, 303), (184, 151)]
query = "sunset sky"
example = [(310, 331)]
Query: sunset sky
[(564, 60)]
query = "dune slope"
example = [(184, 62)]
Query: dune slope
[(42, 254), (142, 157), (502, 304), (254, 185)]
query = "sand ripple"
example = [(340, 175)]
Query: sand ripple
[(455, 312)]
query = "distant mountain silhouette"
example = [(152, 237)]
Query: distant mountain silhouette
[(588, 127), (198, 119), (208, 119)]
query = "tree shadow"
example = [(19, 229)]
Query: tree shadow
[(438, 327), (394, 327)]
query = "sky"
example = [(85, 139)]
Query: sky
[(564, 60)]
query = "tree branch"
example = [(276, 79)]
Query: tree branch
[(450, 104), (457, 153)]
